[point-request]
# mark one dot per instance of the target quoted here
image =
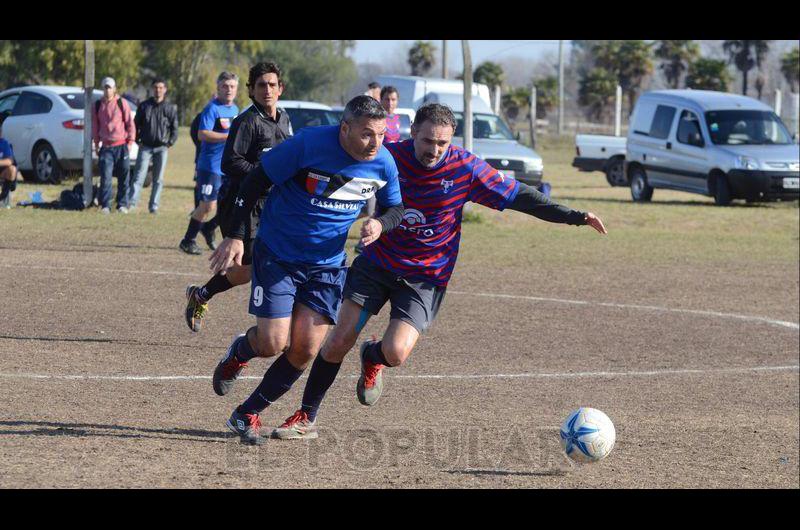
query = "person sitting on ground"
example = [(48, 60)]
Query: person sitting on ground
[(8, 170)]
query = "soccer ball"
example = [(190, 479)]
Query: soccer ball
[(587, 435)]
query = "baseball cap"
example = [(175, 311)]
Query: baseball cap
[(108, 81)]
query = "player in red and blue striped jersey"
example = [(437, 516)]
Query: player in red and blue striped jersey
[(411, 265)]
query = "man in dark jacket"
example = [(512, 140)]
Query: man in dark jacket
[(259, 128), (156, 131)]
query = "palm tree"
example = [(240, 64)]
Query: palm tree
[(708, 74), (597, 89), (546, 95), (676, 55), (790, 67), (421, 57), (746, 54), (490, 74), (629, 60)]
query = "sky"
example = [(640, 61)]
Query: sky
[(381, 51)]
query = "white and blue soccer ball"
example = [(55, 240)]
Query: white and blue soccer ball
[(587, 435)]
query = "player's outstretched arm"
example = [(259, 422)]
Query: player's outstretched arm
[(532, 202), (227, 254)]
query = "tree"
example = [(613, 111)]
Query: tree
[(546, 95), (515, 101), (790, 67), (597, 91), (708, 74), (490, 74), (676, 56), (629, 60), (746, 54), (421, 57)]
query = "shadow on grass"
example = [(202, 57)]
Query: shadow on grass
[(508, 473), (104, 341), (49, 428)]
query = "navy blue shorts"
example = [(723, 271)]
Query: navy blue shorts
[(277, 284), (370, 286), (208, 183)]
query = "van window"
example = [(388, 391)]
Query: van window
[(689, 129), (662, 122), (643, 116), (749, 127)]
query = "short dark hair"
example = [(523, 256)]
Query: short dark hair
[(373, 85), (263, 68), (363, 107), (227, 76), (158, 80), (435, 113), (389, 89)]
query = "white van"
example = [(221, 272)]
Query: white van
[(722, 145)]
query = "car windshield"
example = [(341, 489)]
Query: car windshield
[(302, 118), (484, 126), (746, 127)]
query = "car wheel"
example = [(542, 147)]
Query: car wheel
[(722, 191), (615, 172), (45, 165), (641, 191)]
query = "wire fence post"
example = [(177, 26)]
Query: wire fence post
[(533, 117), (778, 101), (618, 112)]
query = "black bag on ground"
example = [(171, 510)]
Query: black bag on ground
[(73, 199)]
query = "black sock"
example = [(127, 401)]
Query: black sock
[(277, 381), (374, 354), (210, 226), (320, 380), (194, 228), (219, 283), (244, 352)]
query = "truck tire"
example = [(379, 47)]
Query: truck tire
[(615, 172), (641, 191), (46, 168), (722, 191)]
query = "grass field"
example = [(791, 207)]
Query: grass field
[(681, 324)]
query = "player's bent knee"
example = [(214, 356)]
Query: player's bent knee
[(394, 354), (337, 347)]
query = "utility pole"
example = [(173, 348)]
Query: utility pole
[(618, 111), (560, 87), (444, 59), (88, 90), (533, 116), (467, 95)]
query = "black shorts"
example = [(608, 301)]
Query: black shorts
[(225, 213), (370, 286)]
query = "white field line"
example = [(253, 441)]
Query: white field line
[(748, 318), (440, 377)]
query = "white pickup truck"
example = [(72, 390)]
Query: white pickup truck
[(595, 152)]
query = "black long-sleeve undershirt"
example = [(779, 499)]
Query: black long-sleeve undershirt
[(254, 185), (532, 202), (391, 218)]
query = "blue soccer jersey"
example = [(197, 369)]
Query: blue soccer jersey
[(218, 118), (425, 245), (5, 150), (318, 193)]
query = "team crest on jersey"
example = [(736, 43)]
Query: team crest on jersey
[(447, 184), (225, 123), (337, 187)]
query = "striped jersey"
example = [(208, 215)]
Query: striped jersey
[(425, 245), (392, 129)]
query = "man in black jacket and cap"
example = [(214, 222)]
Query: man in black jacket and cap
[(156, 131), (259, 128)]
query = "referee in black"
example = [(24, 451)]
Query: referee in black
[(261, 127)]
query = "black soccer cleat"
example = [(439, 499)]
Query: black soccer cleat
[(190, 247)]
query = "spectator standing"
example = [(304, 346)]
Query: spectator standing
[(374, 91), (156, 131), (114, 132)]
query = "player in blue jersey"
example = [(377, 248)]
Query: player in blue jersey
[(320, 180), (8, 170), (215, 122), (411, 265)]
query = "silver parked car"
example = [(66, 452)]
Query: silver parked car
[(722, 145)]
